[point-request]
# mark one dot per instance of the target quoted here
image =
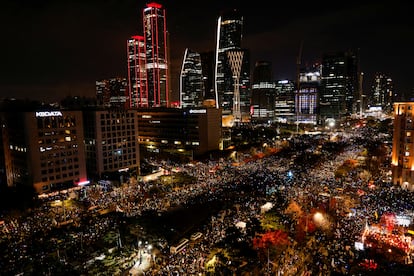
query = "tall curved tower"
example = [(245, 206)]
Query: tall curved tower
[(231, 68)]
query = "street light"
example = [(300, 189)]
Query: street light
[(149, 252), (139, 251), (321, 220), (318, 217)]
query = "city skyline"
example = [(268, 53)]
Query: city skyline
[(53, 50)]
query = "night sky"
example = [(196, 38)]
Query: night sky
[(53, 49)]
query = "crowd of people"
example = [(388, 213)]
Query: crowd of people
[(296, 176)]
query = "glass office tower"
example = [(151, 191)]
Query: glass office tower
[(137, 77), (112, 93), (285, 102), (207, 64), (263, 93), (382, 93), (339, 85), (191, 80), (155, 38), (307, 97), (232, 69)]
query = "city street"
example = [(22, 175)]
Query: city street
[(323, 204)]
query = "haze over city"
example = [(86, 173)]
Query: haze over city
[(54, 49)]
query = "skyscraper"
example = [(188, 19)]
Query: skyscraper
[(232, 69), (382, 93), (307, 98), (156, 49), (339, 85), (112, 93), (263, 93), (191, 80), (137, 75), (285, 101), (207, 64)]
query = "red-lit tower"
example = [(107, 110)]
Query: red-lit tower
[(137, 77), (156, 50)]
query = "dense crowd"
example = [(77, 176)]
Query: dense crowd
[(281, 178)]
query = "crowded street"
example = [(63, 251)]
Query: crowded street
[(332, 223)]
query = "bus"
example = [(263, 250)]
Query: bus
[(180, 246), (196, 236)]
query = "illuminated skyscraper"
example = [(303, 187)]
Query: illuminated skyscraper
[(112, 93), (156, 60), (191, 80), (285, 101), (382, 94), (307, 98), (207, 64), (232, 69), (339, 85), (263, 93), (137, 76)]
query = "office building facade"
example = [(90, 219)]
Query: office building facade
[(232, 70), (191, 80), (307, 97), (156, 58), (111, 142), (137, 74), (339, 94), (112, 93), (182, 133), (285, 102), (207, 65), (44, 149), (263, 93), (382, 93), (402, 162)]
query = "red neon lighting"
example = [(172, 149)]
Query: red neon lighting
[(154, 5), (175, 103), (167, 99), (138, 37)]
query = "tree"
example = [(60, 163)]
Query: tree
[(271, 221)]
